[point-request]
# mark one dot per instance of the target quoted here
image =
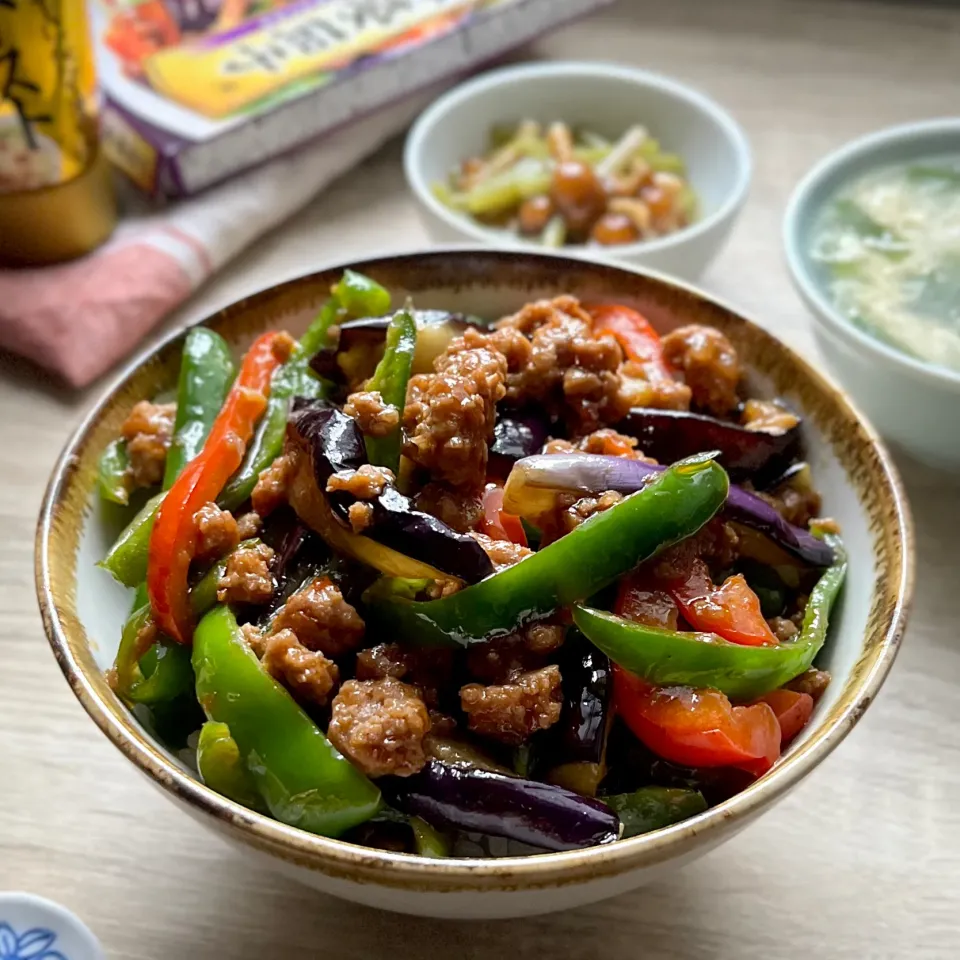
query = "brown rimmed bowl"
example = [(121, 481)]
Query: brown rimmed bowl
[(83, 609)]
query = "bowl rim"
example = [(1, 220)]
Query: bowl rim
[(453, 99), (344, 860), (836, 166)]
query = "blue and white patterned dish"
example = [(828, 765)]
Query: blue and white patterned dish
[(32, 928)]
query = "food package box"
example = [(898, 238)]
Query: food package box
[(196, 91)]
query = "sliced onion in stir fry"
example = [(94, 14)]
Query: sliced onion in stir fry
[(534, 481)]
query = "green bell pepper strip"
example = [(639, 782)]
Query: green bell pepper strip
[(669, 658), (360, 296), (429, 841), (222, 769), (127, 558), (354, 295), (304, 781), (163, 672), (390, 379), (159, 678), (206, 372), (651, 808), (292, 379), (203, 595), (112, 473), (669, 509)]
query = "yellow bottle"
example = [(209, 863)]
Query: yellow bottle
[(56, 193)]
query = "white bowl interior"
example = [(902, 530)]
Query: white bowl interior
[(103, 605), (605, 99)]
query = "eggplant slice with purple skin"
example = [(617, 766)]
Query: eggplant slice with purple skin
[(518, 434), (589, 473), (336, 443), (473, 800), (579, 741), (671, 435)]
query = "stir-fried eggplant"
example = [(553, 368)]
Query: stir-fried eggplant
[(669, 435), (467, 798), (333, 443)]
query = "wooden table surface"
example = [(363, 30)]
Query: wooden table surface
[(861, 861)]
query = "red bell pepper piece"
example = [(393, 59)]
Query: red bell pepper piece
[(697, 728), (634, 333), (172, 543), (731, 611), (792, 710), (497, 523)]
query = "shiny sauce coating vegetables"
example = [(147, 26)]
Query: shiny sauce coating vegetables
[(450, 587)]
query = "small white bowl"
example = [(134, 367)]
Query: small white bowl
[(608, 99), (913, 404)]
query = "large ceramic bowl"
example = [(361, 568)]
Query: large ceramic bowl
[(609, 99), (914, 404), (83, 609)]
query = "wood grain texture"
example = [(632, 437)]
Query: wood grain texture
[(862, 861)]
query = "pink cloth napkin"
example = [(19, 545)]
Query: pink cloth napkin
[(78, 319)]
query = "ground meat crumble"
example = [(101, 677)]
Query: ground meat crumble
[(783, 629), (374, 417), (503, 659), (360, 516), (449, 415), (717, 543), (513, 712), (814, 682), (502, 553), (307, 674), (270, 491), (709, 365), (249, 525), (570, 370), (321, 619), (148, 431), (767, 416), (607, 442), (253, 638), (427, 669), (364, 483), (570, 511), (644, 385), (216, 533), (247, 577), (380, 725)]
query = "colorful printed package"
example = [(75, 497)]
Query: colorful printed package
[(198, 90)]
